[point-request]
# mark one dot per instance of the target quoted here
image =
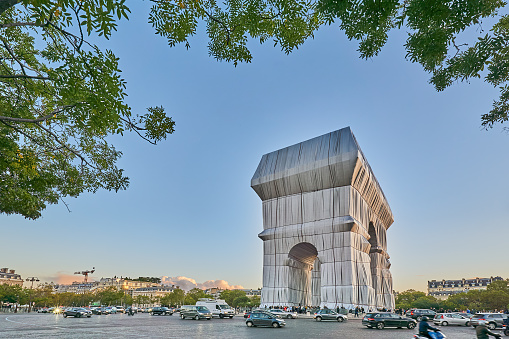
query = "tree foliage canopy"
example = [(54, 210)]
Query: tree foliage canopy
[(434, 30), (62, 97)]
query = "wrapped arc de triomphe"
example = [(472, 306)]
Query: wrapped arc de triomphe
[(325, 220)]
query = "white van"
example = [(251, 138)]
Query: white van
[(218, 307)]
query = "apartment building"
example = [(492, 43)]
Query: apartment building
[(442, 289), (9, 277)]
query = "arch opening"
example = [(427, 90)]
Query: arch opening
[(303, 275), (303, 252)]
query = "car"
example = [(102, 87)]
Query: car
[(493, 320), (77, 312), (418, 313), (327, 314), (464, 314), (195, 312), (380, 320), (283, 314), (43, 310), (112, 309), (120, 309), (260, 310), (101, 310), (161, 311), (259, 318), (445, 319)]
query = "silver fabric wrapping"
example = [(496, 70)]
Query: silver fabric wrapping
[(325, 219)]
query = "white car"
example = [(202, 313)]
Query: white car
[(283, 314)]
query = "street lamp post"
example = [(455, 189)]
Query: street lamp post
[(32, 279)]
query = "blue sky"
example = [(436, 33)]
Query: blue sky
[(190, 210)]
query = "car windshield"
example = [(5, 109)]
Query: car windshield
[(224, 307), (202, 308), (478, 316)]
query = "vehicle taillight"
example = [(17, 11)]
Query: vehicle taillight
[(442, 316), (371, 319), (412, 313), (249, 316)]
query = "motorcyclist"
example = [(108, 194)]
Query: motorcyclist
[(130, 311), (424, 328), (483, 332)]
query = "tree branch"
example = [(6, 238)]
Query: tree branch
[(23, 76), (41, 119), (137, 130), (57, 139), (19, 24)]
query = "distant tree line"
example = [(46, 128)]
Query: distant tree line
[(43, 296), (495, 297)]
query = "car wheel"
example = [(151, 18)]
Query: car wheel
[(340, 319), (182, 317), (78, 315), (221, 316), (467, 323), (444, 323), (249, 324), (318, 318), (289, 316), (275, 325), (196, 317), (231, 317), (65, 315), (89, 316), (419, 318), (492, 326), (411, 326), (380, 326)]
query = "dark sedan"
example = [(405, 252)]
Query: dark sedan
[(381, 320), (77, 312), (101, 310), (161, 311)]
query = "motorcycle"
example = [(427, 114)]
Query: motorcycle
[(435, 335), (130, 311)]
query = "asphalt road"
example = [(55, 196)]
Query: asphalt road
[(36, 325)]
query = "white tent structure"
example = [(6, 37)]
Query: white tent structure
[(325, 219)]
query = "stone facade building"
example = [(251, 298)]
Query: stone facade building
[(442, 289), (9, 277)]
